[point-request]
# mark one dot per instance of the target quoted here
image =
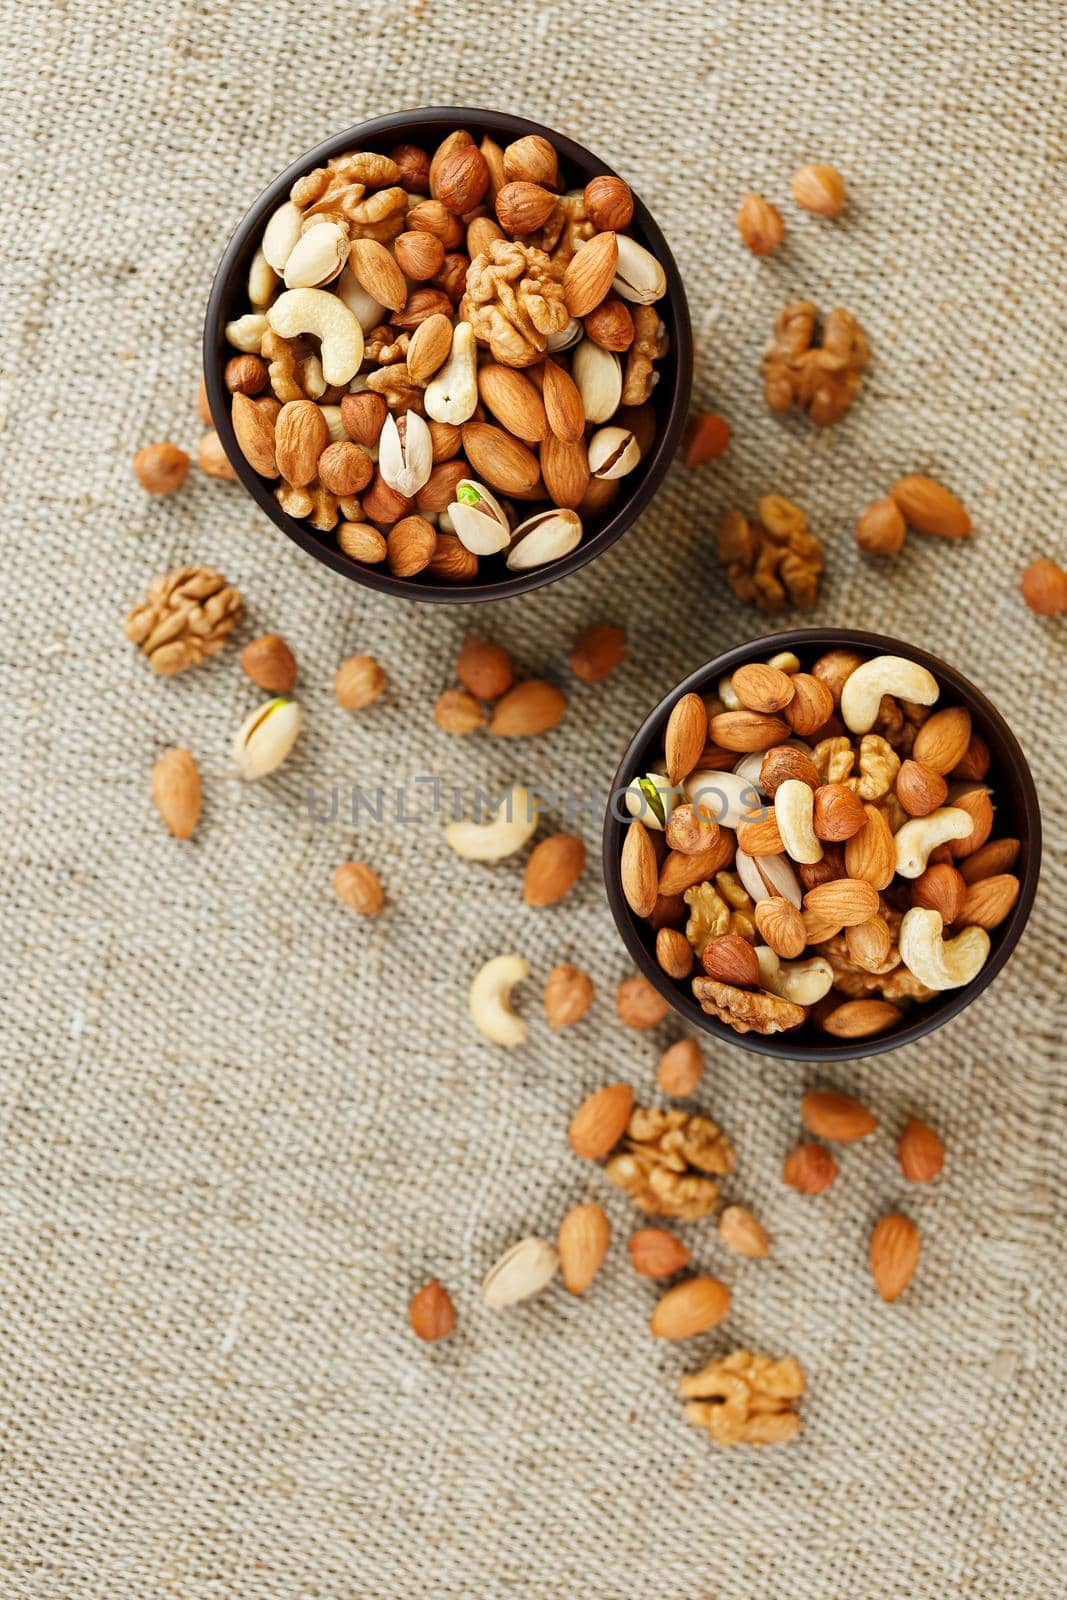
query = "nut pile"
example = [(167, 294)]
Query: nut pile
[(449, 355), (822, 840)]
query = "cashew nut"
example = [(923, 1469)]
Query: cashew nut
[(490, 1000), (513, 822), (915, 840), (764, 876), (794, 808), (366, 310), (727, 692), (803, 982), (281, 234), (896, 675), (246, 333), (452, 396), (325, 315), (651, 798), (937, 962), (785, 661)]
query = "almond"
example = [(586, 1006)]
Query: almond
[(687, 730), (844, 901), (979, 806), (989, 900), (920, 789), (999, 855), (527, 709), (869, 944), (674, 953), (584, 1236), (360, 887), (784, 761), (860, 1019), (176, 791), (431, 343), (880, 528), (590, 274), (760, 687), (731, 959), (760, 225), (782, 927), (870, 853), (563, 403), (485, 669), (760, 838), (597, 652), (409, 546), (829, 1114), (565, 469), (809, 1169), (811, 707), (600, 1121), (451, 561), (838, 812), (920, 1151), (568, 995), (680, 1067), (503, 461), (514, 400), (431, 1312), (942, 740), (655, 1253), (270, 663), (523, 207), (254, 431), (931, 508), (457, 711), (554, 868), (639, 1004), (940, 888), (691, 1307), (375, 269), (439, 490), (706, 436), (894, 1255), (740, 1231), (681, 871), (639, 870), (300, 437), (746, 730)]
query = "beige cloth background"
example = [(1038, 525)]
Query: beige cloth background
[(240, 1126)]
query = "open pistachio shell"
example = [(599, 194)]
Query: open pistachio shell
[(478, 519), (266, 737), (546, 536)]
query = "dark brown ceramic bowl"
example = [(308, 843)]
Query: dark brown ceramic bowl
[(1017, 816), (428, 126)]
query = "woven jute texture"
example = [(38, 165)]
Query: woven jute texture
[(241, 1125)]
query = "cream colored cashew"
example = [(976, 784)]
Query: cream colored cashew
[(452, 395), (325, 315), (896, 675), (785, 661), (728, 695), (937, 962), (915, 840), (490, 1000), (765, 876), (513, 822), (281, 234), (794, 808), (246, 333), (803, 982), (650, 794)]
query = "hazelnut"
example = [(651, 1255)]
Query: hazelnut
[(568, 995), (452, 278), (363, 417), (609, 205), (680, 1067), (532, 160), (419, 254), (245, 374), (431, 1312), (212, 458), (640, 1005), (731, 959), (940, 888), (344, 468), (160, 468), (457, 711), (485, 669), (838, 812), (414, 166), (920, 789), (270, 663), (460, 179), (809, 1168), (358, 682), (360, 888), (760, 225), (881, 528), (1044, 587), (524, 207), (611, 325), (409, 546), (820, 189), (597, 652), (422, 303)]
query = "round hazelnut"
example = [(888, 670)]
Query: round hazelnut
[(609, 205), (358, 682), (760, 225), (270, 663), (360, 888), (940, 888), (524, 207), (568, 995), (419, 254), (414, 165), (212, 458), (460, 179), (611, 325), (344, 468), (485, 669), (245, 374), (452, 277), (1044, 587), (881, 528), (160, 468), (363, 416), (532, 160), (820, 189)]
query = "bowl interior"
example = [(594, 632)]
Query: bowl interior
[(670, 397), (1017, 816)]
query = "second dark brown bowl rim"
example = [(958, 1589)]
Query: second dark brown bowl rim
[(934, 1014), (225, 289)]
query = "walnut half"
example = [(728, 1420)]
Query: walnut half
[(745, 1399), (664, 1158), (821, 375), (747, 1010), (771, 560)]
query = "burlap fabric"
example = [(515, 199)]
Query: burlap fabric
[(241, 1125)]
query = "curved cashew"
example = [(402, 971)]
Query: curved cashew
[(281, 234), (764, 876), (246, 333), (452, 395), (651, 799), (936, 962), (794, 807), (896, 675), (785, 661), (513, 822), (325, 315), (803, 982), (490, 1000), (722, 797), (915, 840)]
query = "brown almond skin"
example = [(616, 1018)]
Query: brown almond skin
[(731, 959), (920, 1151), (431, 1313), (584, 1237), (270, 663), (809, 1169), (655, 1253), (829, 1114), (894, 1255), (176, 791), (744, 1233), (528, 708), (597, 652), (687, 730), (760, 225), (553, 869), (639, 870), (693, 1306), (359, 887), (881, 528), (860, 1019), (999, 855), (674, 953), (746, 731), (931, 508), (600, 1121)]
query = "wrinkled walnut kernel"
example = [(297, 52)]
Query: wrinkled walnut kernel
[(718, 907), (771, 560), (821, 376), (662, 1161), (745, 1399), (514, 300)]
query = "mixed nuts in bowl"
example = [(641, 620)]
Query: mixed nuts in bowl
[(822, 844), (449, 353)]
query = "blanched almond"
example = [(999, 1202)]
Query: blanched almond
[(744, 1233)]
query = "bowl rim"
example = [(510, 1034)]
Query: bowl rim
[(394, 125), (778, 1045)]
